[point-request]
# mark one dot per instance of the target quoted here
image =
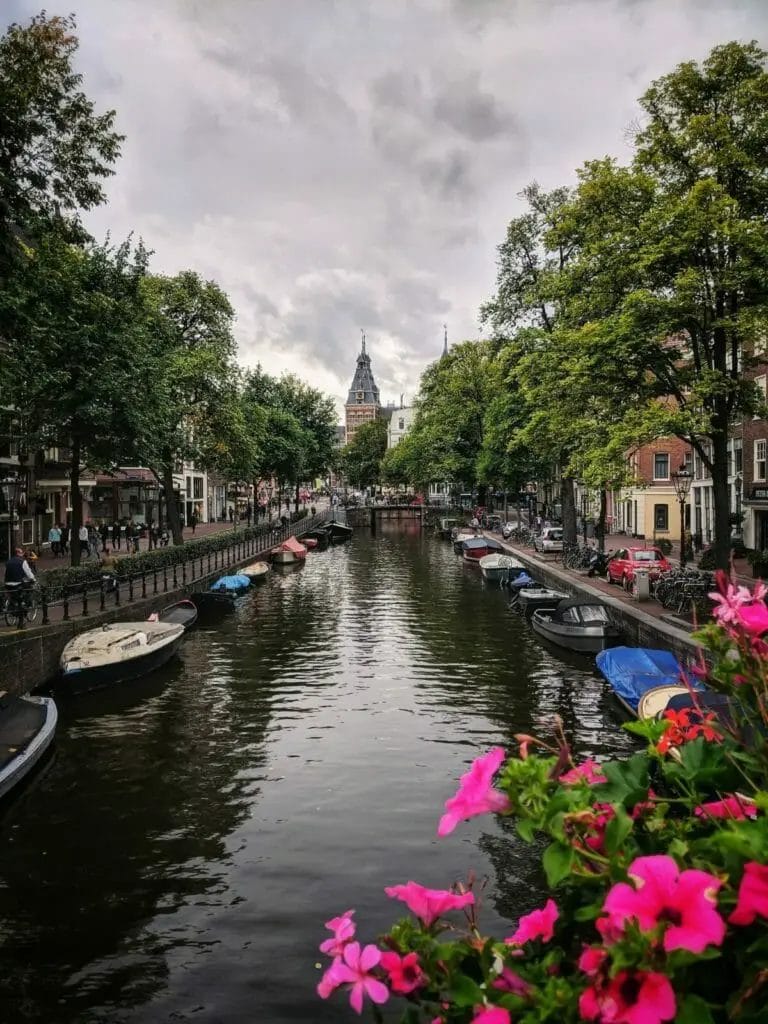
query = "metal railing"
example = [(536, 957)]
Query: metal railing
[(77, 598)]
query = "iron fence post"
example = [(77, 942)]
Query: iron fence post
[(44, 606), (85, 599)]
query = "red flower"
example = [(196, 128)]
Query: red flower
[(405, 973), (753, 894), (735, 807), (632, 997)]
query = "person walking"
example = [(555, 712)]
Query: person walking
[(104, 534), (151, 538), (64, 531), (116, 536), (193, 522), (231, 514), (82, 537), (54, 539)]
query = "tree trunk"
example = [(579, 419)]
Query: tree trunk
[(601, 520), (77, 503), (171, 505), (721, 499), (482, 495), (297, 499), (568, 501)]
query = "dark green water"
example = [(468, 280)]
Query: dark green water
[(176, 859)]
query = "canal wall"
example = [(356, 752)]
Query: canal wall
[(640, 628), (29, 658)]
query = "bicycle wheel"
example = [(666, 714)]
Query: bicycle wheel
[(33, 608), (10, 612)]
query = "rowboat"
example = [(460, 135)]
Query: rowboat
[(643, 679), (288, 552), (500, 568), (256, 571), (475, 548), (27, 728)]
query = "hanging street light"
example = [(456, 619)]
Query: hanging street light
[(681, 481)]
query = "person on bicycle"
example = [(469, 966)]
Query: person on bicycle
[(18, 575)]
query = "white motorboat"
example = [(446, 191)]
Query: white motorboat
[(256, 571), (118, 651), (27, 727), (500, 568)]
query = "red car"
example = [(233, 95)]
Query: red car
[(621, 567)]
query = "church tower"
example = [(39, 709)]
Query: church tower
[(363, 403)]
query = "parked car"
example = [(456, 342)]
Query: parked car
[(621, 567), (550, 539)]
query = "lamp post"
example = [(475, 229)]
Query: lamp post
[(681, 481), (12, 488)]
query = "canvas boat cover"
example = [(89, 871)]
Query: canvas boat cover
[(293, 545), (523, 580), (631, 671), (237, 582)]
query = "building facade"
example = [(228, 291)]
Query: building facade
[(649, 509), (363, 401), (399, 423)]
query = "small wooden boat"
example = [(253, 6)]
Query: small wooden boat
[(459, 535), (118, 651), (256, 571), (338, 531), (321, 535), (500, 568), (288, 552), (475, 548), (310, 543), (27, 728), (531, 598), (643, 679), (446, 528), (580, 624), (184, 613)]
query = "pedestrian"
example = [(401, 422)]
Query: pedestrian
[(151, 536), (82, 536), (64, 531), (54, 539), (93, 539), (231, 514), (193, 522), (104, 534), (116, 535)]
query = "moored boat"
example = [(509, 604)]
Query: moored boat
[(459, 535), (319, 534), (27, 728), (233, 584), (256, 571), (580, 624), (117, 652), (183, 613), (310, 543), (531, 598), (643, 679), (446, 528), (338, 531), (475, 548), (500, 568), (290, 551)]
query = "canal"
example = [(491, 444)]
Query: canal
[(176, 858)]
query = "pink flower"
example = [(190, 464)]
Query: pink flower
[(591, 960), (682, 902), (729, 600), (405, 973), (509, 981), (632, 997), (734, 807), (491, 1015), (588, 771), (539, 924), (330, 980), (753, 894), (754, 618), (343, 928), (429, 904), (353, 969), (475, 795)]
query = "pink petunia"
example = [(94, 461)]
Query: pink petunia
[(539, 924), (510, 981), (632, 997), (588, 771), (330, 980), (591, 960), (753, 895), (683, 902), (491, 1015), (354, 968), (754, 618), (729, 600), (429, 904), (735, 807), (475, 794), (343, 928), (405, 973)]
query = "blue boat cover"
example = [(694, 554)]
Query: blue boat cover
[(523, 580), (237, 582), (474, 543), (631, 671)]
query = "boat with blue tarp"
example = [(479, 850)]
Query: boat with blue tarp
[(643, 679), (234, 584)]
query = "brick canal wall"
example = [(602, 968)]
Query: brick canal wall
[(29, 658)]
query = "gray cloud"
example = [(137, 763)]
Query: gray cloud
[(353, 163)]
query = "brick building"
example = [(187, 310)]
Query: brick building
[(649, 508), (363, 402)]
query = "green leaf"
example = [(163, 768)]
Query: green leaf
[(525, 829), (694, 1010), (558, 862), (618, 829), (464, 991)]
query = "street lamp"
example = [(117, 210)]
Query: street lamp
[(11, 491), (681, 481)]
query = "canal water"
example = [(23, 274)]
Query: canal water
[(177, 857)]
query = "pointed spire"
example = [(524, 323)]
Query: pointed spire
[(445, 339), (362, 332)]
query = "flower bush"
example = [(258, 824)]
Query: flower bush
[(657, 868)]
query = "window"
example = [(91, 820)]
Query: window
[(738, 458), (198, 487), (661, 466), (189, 486), (760, 459), (401, 424), (660, 518), (760, 384)]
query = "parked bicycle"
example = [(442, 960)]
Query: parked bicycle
[(21, 605), (684, 591)]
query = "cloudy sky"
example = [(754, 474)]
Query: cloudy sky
[(347, 164)]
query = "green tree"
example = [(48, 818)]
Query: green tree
[(316, 415), (361, 458), (79, 354), (55, 150)]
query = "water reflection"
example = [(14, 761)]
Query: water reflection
[(195, 830)]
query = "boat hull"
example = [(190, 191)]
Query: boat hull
[(530, 599), (583, 639), (25, 760), (99, 676), (284, 558)]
